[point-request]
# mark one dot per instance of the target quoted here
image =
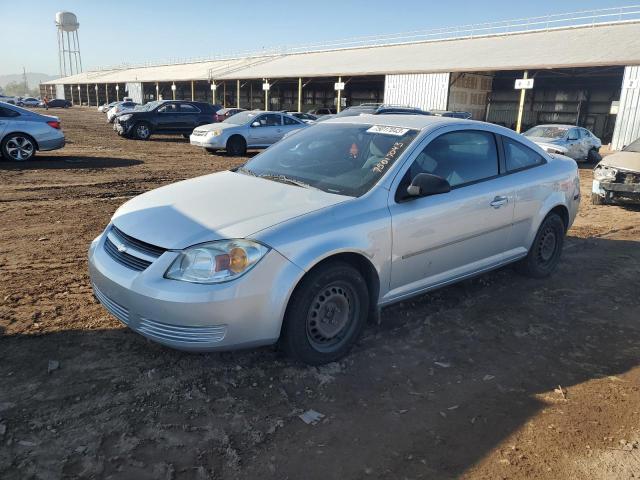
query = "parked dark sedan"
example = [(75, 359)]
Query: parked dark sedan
[(165, 117), (59, 103)]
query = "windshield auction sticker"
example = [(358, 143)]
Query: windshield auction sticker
[(386, 130)]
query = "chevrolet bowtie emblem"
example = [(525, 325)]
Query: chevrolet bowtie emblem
[(121, 248)]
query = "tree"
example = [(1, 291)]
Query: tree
[(17, 89)]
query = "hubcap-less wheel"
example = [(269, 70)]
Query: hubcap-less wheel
[(330, 317), (142, 131), (547, 246), (19, 148)]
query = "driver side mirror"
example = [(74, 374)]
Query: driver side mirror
[(425, 184), (255, 124)]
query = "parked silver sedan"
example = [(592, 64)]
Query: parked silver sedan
[(23, 132), (248, 129), (575, 142), (313, 236)]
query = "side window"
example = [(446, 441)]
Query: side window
[(573, 134), (519, 156), (585, 133), (459, 157), (187, 108), (169, 108), (8, 113), (290, 121), (272, 120)]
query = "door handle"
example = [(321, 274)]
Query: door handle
[(499, 201)]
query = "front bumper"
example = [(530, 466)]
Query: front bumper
[(617, 192), (241, 313), (217, 142)]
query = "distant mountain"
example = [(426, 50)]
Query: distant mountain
[(33, 79)]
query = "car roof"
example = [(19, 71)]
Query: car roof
[(417, 122)]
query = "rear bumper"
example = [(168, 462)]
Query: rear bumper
[(242, 313), (51, 143)]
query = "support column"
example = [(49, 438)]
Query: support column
[(224, 94), (193, 93), (266, 96), (300, 94), (88, 97), (157, 91), (523, 93), (173, 90), (339, 96), (238, 93), (106, 91)]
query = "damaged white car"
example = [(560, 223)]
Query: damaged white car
[(616, 179)]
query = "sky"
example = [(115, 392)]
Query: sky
[(136, 31)]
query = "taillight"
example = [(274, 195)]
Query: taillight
[(54, 124)]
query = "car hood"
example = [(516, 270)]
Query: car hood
[(218, 206), (217, 126), (545, 143), (624, 160)]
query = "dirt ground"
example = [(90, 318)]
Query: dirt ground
[(500, 377)]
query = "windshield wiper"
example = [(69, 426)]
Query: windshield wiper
[(285, 179)]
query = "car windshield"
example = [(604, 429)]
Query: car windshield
[(147, 107), (633, 147), (546, 132), (353, 111), (345, 159), (241, 118)]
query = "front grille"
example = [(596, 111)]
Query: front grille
[(627, 177), (129, 251), (176, 333), (117, 310), (199, 133)]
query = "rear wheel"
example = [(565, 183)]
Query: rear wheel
[(236, 146), (142, 131), (18, 147), (326, 314), (544, 254)]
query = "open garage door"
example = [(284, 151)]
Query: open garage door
[(429, 91)]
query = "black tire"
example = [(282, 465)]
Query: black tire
[(326, 314), (236, 146), (211, 151), (597, 199), (142, 131), (544, 254), (593, 156), (18, 147)]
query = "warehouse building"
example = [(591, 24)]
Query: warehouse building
[(585, 69)]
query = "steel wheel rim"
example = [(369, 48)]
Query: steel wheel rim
[(547, 246), (19, 148), (331, 316)]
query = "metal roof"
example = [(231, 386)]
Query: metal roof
[(615, 43)]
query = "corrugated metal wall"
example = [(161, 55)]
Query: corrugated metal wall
[(428, 91), (134, 90), (469, 93), (60, 91), (627, 127)]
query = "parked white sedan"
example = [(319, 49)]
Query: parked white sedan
[(249, 129), (314, 235)]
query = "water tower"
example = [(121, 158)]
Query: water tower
[(69, 54)]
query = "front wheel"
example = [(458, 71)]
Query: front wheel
[(142, 131), (236, 146), (593, 156), (544, 254), (326, 315), (18, 147)]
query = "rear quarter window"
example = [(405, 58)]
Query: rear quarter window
[(519, 156)]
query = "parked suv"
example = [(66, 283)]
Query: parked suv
[(165, 117), (22, 132)]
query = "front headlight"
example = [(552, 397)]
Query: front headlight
[(216, 262), (214, 133), (602, 173), (124, 118)]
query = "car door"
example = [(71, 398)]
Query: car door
[(6, 116), (574, 143), (167, 118), (265, 129), (289, 125), (440, 238), (188, 117)]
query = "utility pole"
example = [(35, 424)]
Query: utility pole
[(24, 81)]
